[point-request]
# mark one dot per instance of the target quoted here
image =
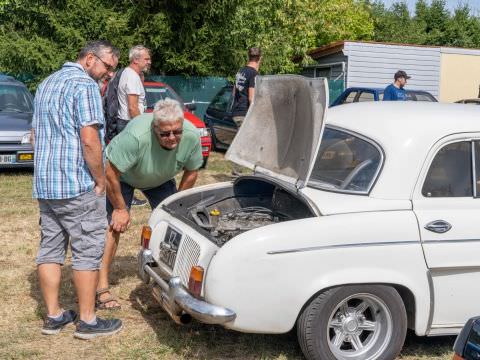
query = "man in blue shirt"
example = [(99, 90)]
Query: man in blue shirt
[(69, 184), (396, 91)]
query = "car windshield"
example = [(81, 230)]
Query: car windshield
[(15, 99), (154, 94), (346, 162)]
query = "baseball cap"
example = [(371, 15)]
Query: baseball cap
[(401, 73)]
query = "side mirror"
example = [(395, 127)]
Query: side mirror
[(467, 345), (191, 106)]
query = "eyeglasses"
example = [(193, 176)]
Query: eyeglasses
[(109, 67), (175, 133)]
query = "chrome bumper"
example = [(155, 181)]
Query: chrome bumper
[(173, 297)]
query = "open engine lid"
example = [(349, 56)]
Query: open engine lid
[(281, 133)]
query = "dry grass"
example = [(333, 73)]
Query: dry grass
[(148, 332)]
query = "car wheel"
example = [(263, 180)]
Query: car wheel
[(214, 140), (353, 322)]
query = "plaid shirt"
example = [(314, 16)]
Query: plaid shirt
[(66, 101)]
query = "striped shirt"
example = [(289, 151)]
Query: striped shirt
[(66, 101)]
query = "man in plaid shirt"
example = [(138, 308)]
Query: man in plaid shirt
[(69, 183)]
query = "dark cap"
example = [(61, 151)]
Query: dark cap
[(401, 74)]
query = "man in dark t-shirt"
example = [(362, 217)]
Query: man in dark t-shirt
[(244, 88)]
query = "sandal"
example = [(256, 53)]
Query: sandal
[(102, 304)]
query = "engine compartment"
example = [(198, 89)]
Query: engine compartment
[(251, 202)]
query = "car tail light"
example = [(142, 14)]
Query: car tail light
[(146, 235), (195, 281), (457, 357)]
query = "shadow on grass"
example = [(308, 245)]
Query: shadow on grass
[(122, 267), (201, 341), (18, 171)]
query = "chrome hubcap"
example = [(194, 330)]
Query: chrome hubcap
[(360, 327)]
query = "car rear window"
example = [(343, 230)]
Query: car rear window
[(346, 162), (155, 93)]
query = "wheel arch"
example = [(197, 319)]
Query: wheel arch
[(405, 293)]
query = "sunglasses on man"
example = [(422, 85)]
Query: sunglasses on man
[(166, 134)]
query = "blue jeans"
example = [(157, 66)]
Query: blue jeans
[(154, 195)]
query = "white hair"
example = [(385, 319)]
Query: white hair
[(167, 110), (136, 51)]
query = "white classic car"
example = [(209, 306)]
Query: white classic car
[(352, 239)]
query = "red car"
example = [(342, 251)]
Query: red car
[(155, 91)]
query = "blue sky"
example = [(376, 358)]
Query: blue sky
[(451, 4)]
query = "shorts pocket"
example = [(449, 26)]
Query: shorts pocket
[(93, 237)]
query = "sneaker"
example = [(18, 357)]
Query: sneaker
[(53, 327), (103, 327), (138, 202)]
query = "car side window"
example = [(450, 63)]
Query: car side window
[(350, 98), (450, 174), (222, 100), (423, 97), (366, 96)]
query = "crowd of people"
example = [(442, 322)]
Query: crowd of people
[(93, 153), (84, 185)]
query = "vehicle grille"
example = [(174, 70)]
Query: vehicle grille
[(187, 256)]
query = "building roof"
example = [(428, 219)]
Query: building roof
[(337, 46)]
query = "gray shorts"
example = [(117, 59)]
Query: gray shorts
[(82, 220)]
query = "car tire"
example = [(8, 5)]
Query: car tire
[(205, 161), (214, 140), (353, 322)]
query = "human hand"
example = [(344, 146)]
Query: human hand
[(120, 220), (99, 189)]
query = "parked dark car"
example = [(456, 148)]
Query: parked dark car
[(218, 118), (359, 94), (467, 345), (16, 110)]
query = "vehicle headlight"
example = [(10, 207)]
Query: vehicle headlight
[(26, 138), (203, 131)]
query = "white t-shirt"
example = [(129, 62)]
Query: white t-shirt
[(130, 84)]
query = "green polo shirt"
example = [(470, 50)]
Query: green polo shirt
[(144, 164)]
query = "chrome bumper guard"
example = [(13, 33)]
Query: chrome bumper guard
[(173, 297)]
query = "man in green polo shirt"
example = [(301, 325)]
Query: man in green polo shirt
[(146, 155)]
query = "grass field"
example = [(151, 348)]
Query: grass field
[(148, 332)]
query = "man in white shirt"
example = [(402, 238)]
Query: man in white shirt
[(131, 93)]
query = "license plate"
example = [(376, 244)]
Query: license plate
[(169, 246), (7, 159), (25, 157)]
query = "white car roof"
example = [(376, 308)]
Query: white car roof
[(406, 131)]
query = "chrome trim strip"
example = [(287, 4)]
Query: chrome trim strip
[(450, 241), (474, 170), (432, 301), (326, 247)]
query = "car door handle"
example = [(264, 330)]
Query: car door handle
[(438, 226)]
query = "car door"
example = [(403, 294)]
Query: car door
[(447, 205), (219, 118)]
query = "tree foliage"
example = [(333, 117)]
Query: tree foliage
[(202, 37), (429, 24)]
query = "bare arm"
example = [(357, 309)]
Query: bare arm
[(32, 137), (188, 179), (120, 215), (92, 153), (251, 93), (133, 109)]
